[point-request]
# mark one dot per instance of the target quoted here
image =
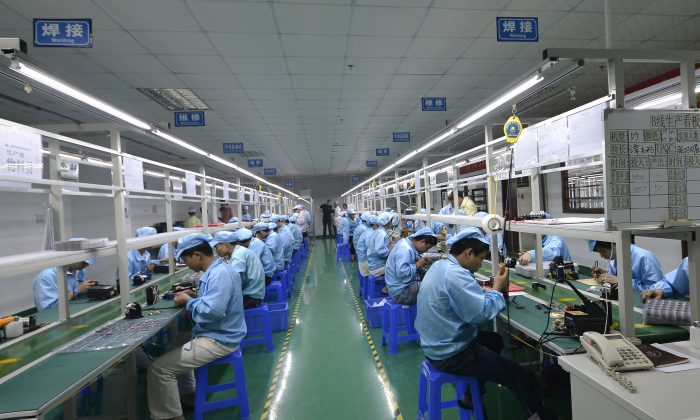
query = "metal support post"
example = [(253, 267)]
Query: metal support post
[(688, 95), (205, 201), (693, 273), (59, 227), (623, 254), (491, 200), (169, 219), (428, 199), (455, 192), (416, 187), (398, 193), (616, 81), (239, 202), (120, 217)]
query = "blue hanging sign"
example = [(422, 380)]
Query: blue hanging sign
[(355, 178), (434, 104), (383, 152), (517, 29), (72, 33), (288, 183), (270, 171), (233, 147), (402, 137), (189, 118), (255, 163), (371, 163)]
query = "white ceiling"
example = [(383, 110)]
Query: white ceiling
[(276, 73)]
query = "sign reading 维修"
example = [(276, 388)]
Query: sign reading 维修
[(189, 118), (383, 152), (517, 29), (371, 163), (355, 178), (402, 137), (75, 33), (434, 104), (255, 163), (233, 147), (270, 171), (288, 183)]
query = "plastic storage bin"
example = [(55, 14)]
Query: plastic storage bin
[(279, 315)]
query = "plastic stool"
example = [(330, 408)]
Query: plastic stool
[(391, 328), (432, 380), (90, 403), (364, 287), (258, 322), (203, 388), (342, 252), (373, 289), (283, 278), (275, 289)]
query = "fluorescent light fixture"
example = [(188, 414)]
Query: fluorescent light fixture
[(500, 101), (179, 142), (671, 99), (56, 84), (436, 140)]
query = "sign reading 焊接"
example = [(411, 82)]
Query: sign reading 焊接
[(382, 152), (255, 163), (517, 29), (72, 33)]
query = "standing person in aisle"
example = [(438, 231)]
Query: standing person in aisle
[(309, 220), (248, 265), (297, 237), (678, 281), (378, 245), (328, 211), (349, 231), (257, 245), (274, 242), (448, 210), (401, 273), (164, 250), (646, 269), (301, 220), (192, 220), (287, 239), (219, 326), (451, 308)]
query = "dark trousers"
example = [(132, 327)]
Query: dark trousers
[(251, 302), (482, 359), (268, 280), (328, 223), (352, 246)]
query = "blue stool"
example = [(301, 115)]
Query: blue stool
[(432, 380), (342, 252), (258, 322), (364, 287), (274, 289), (374, 289), (391, 324), (203, 388), (283, 278), (90, 403)]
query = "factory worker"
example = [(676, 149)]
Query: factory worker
[(678, 280), (248, 265), (192, 220), (468, 206), (274, 242), (219, 325), (301, 219), (646, 269), (164, 252), (343, 223), (438, 227), (287, 239), (552, 247), (452, 306), (309, 218), (265, 217), (226, 213), (378, 245), (45, 284), (139, 260), (223, 244), (348, 232), (257, 245), (362, 242), (234, 220), (361, 228), (296, 232), (401, 275)]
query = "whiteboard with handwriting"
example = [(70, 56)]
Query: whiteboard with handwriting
[(652, 167)]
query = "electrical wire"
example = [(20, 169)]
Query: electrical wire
[(551, 301)]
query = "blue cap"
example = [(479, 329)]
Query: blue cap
[(351, 211), (233, 220), (190, 241), (274, 219), (293, 218), (243, 235), (481, 214), (272, 225), (384, 218), (177, 229), (470, 232), (387, 210), (365, 216), (283, 218), (372, 220), (260, 226), (423, 211), (424, 231), (222, 236), (591, 245), (89, 261), (145, 231)]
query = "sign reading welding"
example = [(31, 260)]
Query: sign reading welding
[(355, 178), (434, 104), (255, 163), (517, 29), (371, 163), (270, 171), (72, 33), (189, 119), (402, 137), (383, 152), (288, 183), (233, 147)]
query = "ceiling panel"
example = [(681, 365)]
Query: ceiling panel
[(205, 64), (238, 17), (209, 81), (151, 15), (372, 46), (314, 45), (386, 21), (312, 19), (175, 43), (247, 45), (438, 47), (459, 23), (316, 82)]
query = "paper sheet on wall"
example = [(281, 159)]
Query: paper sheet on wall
[(133, 174), (177, 188), (416, 181), (586, 132), (525, 150), (226, 197), (190, 183), (241, 194), (20, 155), (552, 142)]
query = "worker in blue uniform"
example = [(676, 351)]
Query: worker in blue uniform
[(257, 245), (348, 231), (296, 232), (646, 269), (219, 326), (248, 265), (223, 244), (163, 251), (362, 242), (45, 284), (401, 274), (452, 305), (678, 280), (378, 245), (274, 242), (448, 210), (287, 239), (139, 260)]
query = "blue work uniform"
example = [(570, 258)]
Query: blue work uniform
[(344, 225), (274, 242), (678, 280), (646, 271), (377, 249), (437, 226), (137, 262), (45, 286), (265, 255), (401, 267), (357, 242), (248, 265), (451, 305), (297, 236), (552, 247), (163, 252), (217, 312), (348, 229), (287, 242)]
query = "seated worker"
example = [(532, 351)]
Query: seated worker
[(552, 247), (244, 238), (452, 306), (248, 265), (223, 244), (163, 252), (448, 210), (139, 260), (193, 220), (646, 269), (401, 267), (274, 242), (257, 245), (45, 284), (297, 237), (378, 245), (678, 280), (287, 239), (360, 228), (363, 241), (219, 325)]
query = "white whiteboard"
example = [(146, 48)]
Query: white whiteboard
[(526, 150), (586, 132), (552, 142), (652, 167), (20, 155)]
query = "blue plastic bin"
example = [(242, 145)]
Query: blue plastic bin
[(279, 315), (373, 315)]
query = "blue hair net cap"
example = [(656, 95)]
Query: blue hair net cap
[(373, 220), (243, 235), (469, 232), (222, 237), (424, 231), (190, 241), (293, 218), (283, 218), (274, 219), (591, 245), (177, 229), (384, 218), (351, 211), (233, 220), (481, 214), (145, 231), (272, 225), (365, 216), (260, 226)]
